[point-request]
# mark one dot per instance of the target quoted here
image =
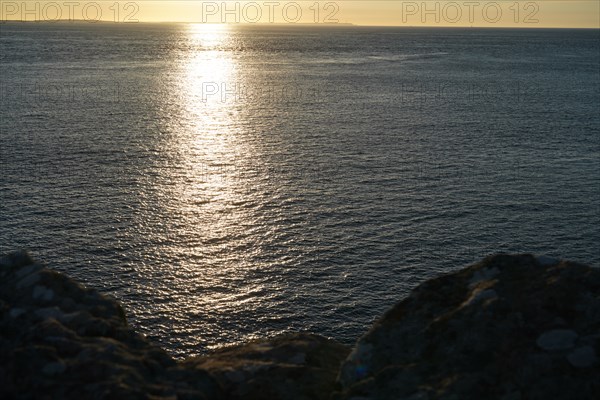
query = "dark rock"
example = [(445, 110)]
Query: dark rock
[(557, 339), (61, 340), (84, 351), (509, 327), (583, 357), (289, 367)]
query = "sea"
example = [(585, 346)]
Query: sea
[(232, 182)]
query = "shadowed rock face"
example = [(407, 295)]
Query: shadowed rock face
[(291, 367), (59, 340), (509, 327)]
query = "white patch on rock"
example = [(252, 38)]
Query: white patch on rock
[(483, 275), (261, 347), (359, 358), (558, 339), (482, 295), (547, 261), (362, 353), (582, 357)]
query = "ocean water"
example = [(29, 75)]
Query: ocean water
[(227, 183)]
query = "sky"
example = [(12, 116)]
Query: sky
[(443, 13)]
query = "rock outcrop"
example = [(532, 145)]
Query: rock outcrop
[(291, 367), (59, 340), (509, 327)]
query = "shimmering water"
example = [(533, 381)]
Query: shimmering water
[(228, 183)]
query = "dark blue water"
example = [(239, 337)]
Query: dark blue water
[(228, 183)]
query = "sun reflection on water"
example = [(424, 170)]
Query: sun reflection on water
[(200, 187), (213, 123), (208, 35), (209, 186)]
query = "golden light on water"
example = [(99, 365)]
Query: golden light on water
[(208, 35), (208, 69), (199, 183), (213, 121)]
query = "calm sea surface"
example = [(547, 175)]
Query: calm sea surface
[(229, 183)]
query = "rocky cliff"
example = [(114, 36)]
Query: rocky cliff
[(509, 327)]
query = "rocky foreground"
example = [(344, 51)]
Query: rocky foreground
[(510, 327)]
